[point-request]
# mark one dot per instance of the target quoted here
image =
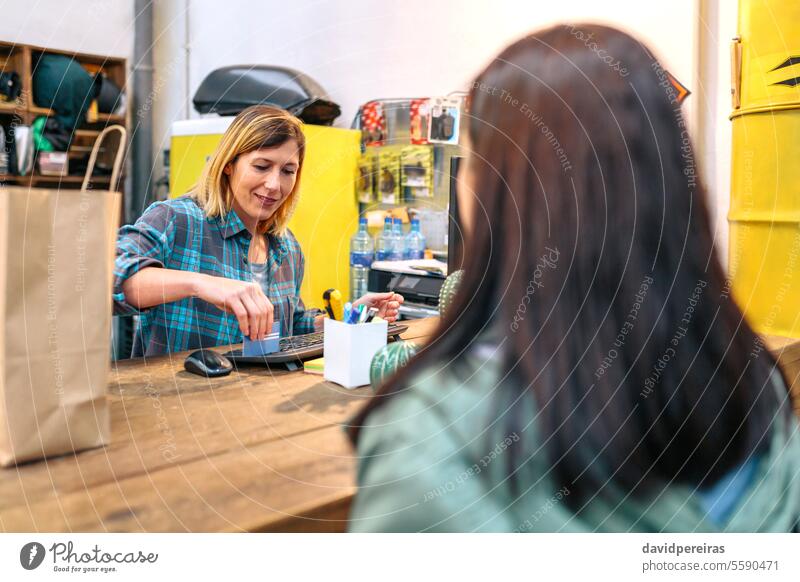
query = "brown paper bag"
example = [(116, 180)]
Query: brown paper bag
[(56, 269)]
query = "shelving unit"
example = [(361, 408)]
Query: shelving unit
[(22, 59), (38, 178)]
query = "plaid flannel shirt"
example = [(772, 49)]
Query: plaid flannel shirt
[(176, 234)]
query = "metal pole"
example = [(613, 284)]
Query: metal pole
[(142, 142)]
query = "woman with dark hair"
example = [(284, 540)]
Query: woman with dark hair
[(593, 372)]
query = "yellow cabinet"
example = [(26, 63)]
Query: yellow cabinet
[(327, 213)]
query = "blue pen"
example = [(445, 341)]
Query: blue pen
[(348, 307)]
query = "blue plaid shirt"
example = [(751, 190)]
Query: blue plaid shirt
[(176, 234)]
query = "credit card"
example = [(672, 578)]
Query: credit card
[(266, 346)]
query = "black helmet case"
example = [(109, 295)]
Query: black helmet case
[(229, 90)]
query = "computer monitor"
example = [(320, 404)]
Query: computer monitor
[(455, 239)]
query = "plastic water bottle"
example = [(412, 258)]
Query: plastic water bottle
[(415, 242), (361, 248), (361, 257), (398, 242), (383, 242)]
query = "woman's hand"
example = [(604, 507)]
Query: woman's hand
[(244, 299), (387, 304)]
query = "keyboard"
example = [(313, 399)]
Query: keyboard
[(294, 350)]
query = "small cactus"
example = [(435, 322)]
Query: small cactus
[(448, 290), (389, 359)]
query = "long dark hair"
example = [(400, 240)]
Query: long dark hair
[(592, 238)]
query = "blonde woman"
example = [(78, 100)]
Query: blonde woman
[(190, 266)]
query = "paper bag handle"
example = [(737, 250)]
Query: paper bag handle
[(117, 159)]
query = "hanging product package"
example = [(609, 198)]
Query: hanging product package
[(444, 120), (56, 270), (418, 123), (389, 175), (373, 124), (416, 172), (365, 189)]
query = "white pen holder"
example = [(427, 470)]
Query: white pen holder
[(349, 349)]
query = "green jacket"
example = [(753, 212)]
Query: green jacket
[(429, 460)]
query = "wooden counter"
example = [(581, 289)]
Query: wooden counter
[(258, 450), (787, 351)]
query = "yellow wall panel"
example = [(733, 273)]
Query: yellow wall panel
[(327, 213)]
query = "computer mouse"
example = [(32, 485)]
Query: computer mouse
[(207, 363)]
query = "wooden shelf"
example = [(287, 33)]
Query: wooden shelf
[(38, 178), (84, 58), (70, 179), (14, 107), (101, 117), (23, 59), (93, 133), (40, 110), (110, 118)]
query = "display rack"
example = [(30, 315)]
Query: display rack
[(23, 59)]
